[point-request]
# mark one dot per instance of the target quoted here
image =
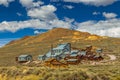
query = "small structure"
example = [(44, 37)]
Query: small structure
[(99, 54), (41, 57), (24, 58), (99, 51)]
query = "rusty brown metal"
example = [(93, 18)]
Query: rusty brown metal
[(16, 58), (55, 63)]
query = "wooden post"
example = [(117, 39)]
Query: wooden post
[(51, 50)]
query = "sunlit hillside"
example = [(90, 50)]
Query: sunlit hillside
[(41, 44), (108, 69)]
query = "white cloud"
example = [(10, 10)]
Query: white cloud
[(38, 11), (68, 6), (13, 26), (38, 32), (44, 12), (38, 3), (30, 3), (96, 13), (109, 15), (60, 23), (43, 17), (5, 2), (68, 20), (109, 27), (93, 2), (26, 3)]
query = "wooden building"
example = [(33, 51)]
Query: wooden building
[(24, 58), (59, 52), (41, 57)]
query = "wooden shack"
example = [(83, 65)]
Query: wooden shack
[(41, 57), (99, 51), (24, 58)]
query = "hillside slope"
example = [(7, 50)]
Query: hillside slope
[(41, 43)]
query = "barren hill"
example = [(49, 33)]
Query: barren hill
[(57, 33), (40, 44)]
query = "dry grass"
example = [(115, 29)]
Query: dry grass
[(41, 44), (73, 72)]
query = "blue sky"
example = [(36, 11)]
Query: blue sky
[(20, 18)]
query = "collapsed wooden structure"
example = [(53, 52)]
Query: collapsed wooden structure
[(84, 54), (54, 62)]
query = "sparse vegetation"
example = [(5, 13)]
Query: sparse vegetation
[(40, 44), (75, 72)]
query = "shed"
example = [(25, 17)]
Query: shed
[(41, 57), (99, 50), (24, 58)]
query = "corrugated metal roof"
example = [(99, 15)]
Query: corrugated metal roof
[(66, 52), (40, 55), (49, 54), (73, 55), (61, 46), (24, 55), (74, 51), (99, 50), (82, 53)]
